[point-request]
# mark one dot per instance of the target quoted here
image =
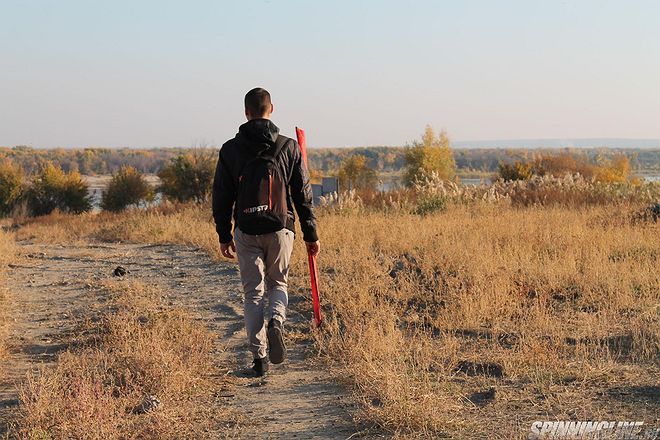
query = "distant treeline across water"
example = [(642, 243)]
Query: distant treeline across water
[(477, 161)]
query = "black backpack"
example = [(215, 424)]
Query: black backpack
[(261, 198)]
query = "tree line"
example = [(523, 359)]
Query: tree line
[(37, 182), (432, 156), (185, 177), (103, 161)]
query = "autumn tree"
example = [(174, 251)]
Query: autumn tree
[(516, 171), (189, 176), (51, 188), (355, 173), (430, 155), (128, 187), (615, 170), (12, 186), (564, 163)]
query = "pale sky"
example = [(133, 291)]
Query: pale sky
[(139, 73)]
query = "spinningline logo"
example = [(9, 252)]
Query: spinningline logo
[(592, 430), (254, 209)]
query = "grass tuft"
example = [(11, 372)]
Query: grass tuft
[(144, 372)]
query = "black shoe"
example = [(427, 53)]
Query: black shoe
[(260, 367), (276, 347)]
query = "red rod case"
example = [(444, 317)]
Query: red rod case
[(313, 268)]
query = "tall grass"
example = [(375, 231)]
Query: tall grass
[(7, 255), (470, 320), (144, 372), (187, 224), (570, 191), (425, 311)]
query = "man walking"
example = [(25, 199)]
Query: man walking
[(260, 178)]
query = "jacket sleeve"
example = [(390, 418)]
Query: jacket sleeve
[(223, 198), (301, 193)]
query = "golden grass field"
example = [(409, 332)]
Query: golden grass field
[(135, 347), (474, 320), (7, 254), (562, 304)]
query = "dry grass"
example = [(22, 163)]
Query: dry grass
[(7, 249), (568, 191), (427, 311), (166, 224), (136, 348), (473, 321), (7, 255)]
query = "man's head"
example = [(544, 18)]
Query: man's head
[(257, 104)]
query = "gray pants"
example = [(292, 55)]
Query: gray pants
[(263, 261)]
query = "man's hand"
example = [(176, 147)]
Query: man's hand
[(313, 248), (227, 249)]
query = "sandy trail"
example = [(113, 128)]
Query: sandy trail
[(51, 291)]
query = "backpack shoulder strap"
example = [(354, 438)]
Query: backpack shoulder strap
[(280, 143), (270, 155)]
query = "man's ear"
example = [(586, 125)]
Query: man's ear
[(272, 108), (247, 115)]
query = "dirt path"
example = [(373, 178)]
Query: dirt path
[(50, 288)]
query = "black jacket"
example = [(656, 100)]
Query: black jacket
[(254, 137)]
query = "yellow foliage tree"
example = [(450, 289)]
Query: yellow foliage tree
[(430, 155), (355, 173), (616, 171), (12, 186), (53, 188), (516, 171)]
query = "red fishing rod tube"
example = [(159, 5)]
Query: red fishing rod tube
[(313, 268)]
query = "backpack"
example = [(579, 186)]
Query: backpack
[(261, 197)]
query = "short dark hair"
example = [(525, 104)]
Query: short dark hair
[(257, 102)]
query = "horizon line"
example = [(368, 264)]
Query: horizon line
[(586, 142)]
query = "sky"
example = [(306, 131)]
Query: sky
[(143, 73)]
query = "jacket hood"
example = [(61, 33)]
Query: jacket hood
[(258, 134)]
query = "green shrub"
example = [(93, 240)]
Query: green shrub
[(430, 204), (128, 187), (51, 188), (12, 186), (189, 176)]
